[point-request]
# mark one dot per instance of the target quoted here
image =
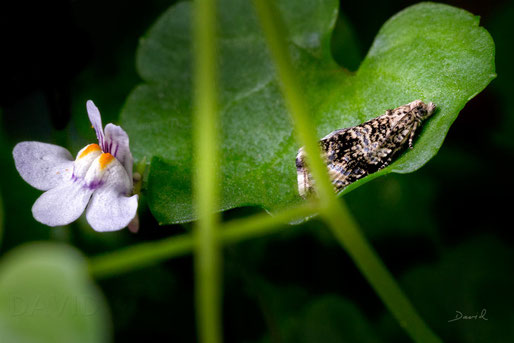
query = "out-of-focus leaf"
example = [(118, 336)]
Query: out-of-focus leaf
[(1, 218), (474, 276), (502, 26), (1, 202), (300, 318), (46, 296), (345, 46), (400, 205), (429, 51), (332, 319)]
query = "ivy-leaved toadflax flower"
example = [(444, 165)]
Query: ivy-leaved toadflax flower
[(98, 181)]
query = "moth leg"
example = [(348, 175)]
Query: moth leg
[(386, 163), (412, 133)]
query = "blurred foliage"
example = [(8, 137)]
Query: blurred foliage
[(472, 277), (345, 48), (1, 218), (46, 297), (2, 146), (442, 231), (502, 27), (300, 318)]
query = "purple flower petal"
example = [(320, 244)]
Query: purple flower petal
[(62, 205), (96, 121), (43, 166), (118, 142)]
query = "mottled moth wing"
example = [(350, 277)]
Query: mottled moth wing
[(338, 148), (355, 152)]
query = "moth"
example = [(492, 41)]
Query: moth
[(355, 152)]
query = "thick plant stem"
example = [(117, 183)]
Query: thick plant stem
[(334, 212), (205, 181)]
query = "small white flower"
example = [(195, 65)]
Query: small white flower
[(100, 178)]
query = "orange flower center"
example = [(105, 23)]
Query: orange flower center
[(105, 159), (88, 149)]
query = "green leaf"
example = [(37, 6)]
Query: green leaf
[(429, 51), (46, 296)]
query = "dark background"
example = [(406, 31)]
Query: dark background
[(445, 231)]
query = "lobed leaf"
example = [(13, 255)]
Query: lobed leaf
[(429, 51)]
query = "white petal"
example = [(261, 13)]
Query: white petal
[(96, 121), (117, 142), (84, 159), (110, 210), (43, 166), (62, 205)]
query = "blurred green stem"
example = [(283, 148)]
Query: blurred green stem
[(334, 211), (369, 263), (205, 180), (145, 254)]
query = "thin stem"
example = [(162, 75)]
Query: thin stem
[(273, 30), (205, 181), (335, 213), (144, 254), (139, 256), (371, 266)]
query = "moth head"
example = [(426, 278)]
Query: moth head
[(305, 181), (303, 177), (422, 110)]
